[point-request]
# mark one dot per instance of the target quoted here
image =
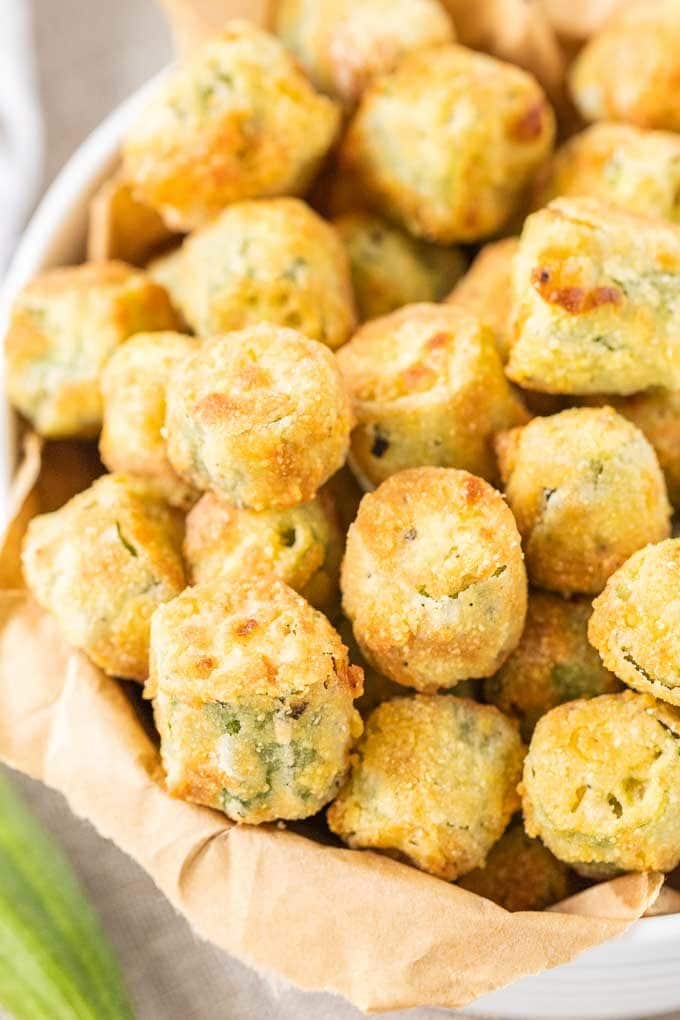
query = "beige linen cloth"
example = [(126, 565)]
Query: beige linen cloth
[(91, 54)]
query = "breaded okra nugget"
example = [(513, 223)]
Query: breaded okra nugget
[(238, 120), (433, 578), (485, 291), (520, 874), (390, 269), (553, 663), (428, 388), (302, 545), (101, 564), (618, 163), (252, 694), (601, 783), (64, 326), (344, 44), (597, 301), (586, 490), (635, 624), (629, 70), (446, 143), (273, 259), (260, 415), (133, 386), (434, 780)]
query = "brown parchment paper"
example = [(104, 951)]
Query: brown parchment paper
[(376, 931)]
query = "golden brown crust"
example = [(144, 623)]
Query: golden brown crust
[(433, 780), (433, 578), (553, 663), (596, 301), (446, 143), (302, 546), (253, 700), (65, 324), (344, 44), (273, 260), (260, 415), (102, 564), (586, 491), (134, 381), (520, 874), (428, 388), (238, 120), (602, 783), (629, 70), (635, 624)]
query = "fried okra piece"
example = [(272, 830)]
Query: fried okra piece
[(390, 269), (656, 412), (252, 693), (597, 301), (377, 688), (618, 163), (238, 120), (301, 545), (434, 781), (120, 227), (485, 291), (433, 578), (446, 143), (629, 70), (272, 259), (520, 874), (261, 416), (101, 564), (553, 663), (635, 624), (64, 326), (133, 385), (586, 490), (428, 388), (601, 783), (345, 44)]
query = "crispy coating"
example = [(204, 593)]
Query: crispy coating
[(377, 688), (434, 781), (656, 412), (553, 663), (618, 163), (635, 624), (133, 385), (390, 269), (485, 291), (272, 259), (344, 44), (433, 578), (629, 70), (102, 564), (428, 388), (260, 415), (601, 783), (520, 874), (446, 143), (64, 326), (597, 301), (302, 546), (120, 227), (252, 693), (238, 120), (586, 491)]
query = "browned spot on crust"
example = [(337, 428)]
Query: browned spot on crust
[(269, 669), (213, 408), (245, 627), (529, 126), (438, 340), (473, 489), (575, 300), (205, 665), (355, 676)]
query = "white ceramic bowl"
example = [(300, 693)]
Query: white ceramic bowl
[(637, 975)]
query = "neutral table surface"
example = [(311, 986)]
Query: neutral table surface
[(91, 54)]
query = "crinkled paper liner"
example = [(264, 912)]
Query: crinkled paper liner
[(376, 931)]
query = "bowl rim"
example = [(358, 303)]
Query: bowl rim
[(85, 170)]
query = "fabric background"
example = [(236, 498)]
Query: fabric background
[(90, 54)]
